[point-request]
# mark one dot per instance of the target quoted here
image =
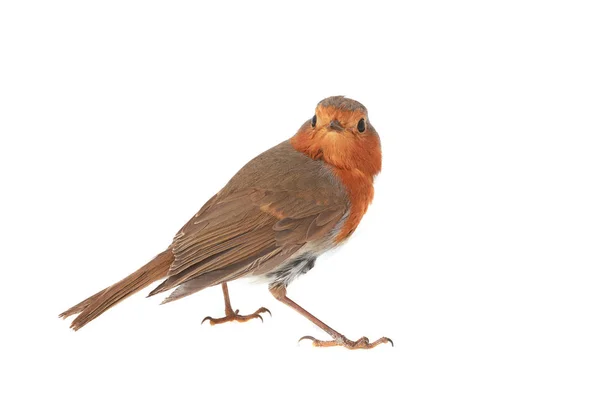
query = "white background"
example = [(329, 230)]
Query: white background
[(479, 255)]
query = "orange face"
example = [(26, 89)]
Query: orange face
[(341, 135)]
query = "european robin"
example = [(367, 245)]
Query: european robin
[(272, 220)]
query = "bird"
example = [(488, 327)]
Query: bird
[(272, 220)]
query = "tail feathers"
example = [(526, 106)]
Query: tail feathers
[(92, 307), (76, 309)]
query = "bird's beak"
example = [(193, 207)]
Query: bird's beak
[(335, 125)]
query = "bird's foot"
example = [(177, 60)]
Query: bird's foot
[(362, 343), (235, 316)]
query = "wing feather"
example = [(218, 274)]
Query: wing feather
[(256, 223)]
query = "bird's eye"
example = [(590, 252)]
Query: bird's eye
[(361, 125), (313, 121)]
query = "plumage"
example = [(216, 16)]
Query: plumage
[(272, 219), (255, 218)]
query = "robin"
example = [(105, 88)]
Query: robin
[(272, 220)]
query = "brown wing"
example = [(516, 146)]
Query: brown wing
[(251, 230)]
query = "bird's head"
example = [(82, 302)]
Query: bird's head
[(341, 135)]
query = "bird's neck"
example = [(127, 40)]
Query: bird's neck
[(359, 155)]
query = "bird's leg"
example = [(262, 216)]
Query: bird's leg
[(338, 339), (231, 315)]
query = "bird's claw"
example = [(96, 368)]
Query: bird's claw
[(308, 338), (262, 310), (235, 316), (362, 343)]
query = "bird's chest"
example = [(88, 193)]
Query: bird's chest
[(360, 192)]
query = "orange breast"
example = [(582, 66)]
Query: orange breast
[(355, 160), (360, 191)]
